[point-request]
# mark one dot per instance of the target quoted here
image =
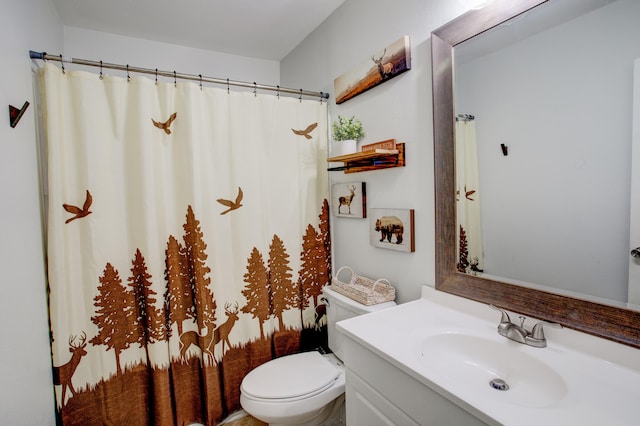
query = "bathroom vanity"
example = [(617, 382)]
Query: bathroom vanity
[(379, 392), (439, 360)]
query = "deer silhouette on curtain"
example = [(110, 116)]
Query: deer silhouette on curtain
[(187, 241)]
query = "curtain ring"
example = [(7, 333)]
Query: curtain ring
[(321, 97), (100, 70), (227, 86), (300, 98), (156, 76), (62, 63), (175, 80), (255, 89), (128, 76), (200, 75), (278, 93)]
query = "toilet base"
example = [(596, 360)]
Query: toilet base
[(332, 414)]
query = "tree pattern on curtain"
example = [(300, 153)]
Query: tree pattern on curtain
[(162, 331), (133, 314)]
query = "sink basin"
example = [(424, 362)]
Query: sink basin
[(476, 362)]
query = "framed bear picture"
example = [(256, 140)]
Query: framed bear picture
[(392, 229)]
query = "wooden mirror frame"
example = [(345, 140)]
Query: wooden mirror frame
[(609, 322)]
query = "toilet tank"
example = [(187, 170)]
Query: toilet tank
[(341, 307)]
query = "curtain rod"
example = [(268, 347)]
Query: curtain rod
[(172, 74)]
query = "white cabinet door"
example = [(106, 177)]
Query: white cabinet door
[(367, 407)]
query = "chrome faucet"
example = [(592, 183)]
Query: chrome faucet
[(518, 333)]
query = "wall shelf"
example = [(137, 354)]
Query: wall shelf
[(364, 161)]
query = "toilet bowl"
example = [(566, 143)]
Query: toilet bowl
[(305, 388), (294, 389)]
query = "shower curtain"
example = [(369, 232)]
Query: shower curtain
[(469, 229), (187, 243)]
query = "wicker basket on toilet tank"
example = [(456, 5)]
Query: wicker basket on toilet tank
[(362, 289)]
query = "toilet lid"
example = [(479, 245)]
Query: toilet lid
[(290, 376)]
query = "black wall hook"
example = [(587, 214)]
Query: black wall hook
[(15, 114), (505, 149)]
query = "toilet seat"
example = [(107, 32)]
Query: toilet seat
[(290, 378)]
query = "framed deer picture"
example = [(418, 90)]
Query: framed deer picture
[(392, 229), (389, 62), (349, 200)]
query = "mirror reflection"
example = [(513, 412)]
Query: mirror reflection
[(543, 148)]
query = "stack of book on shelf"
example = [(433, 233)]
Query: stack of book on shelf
[(383, 147), (373, 156)]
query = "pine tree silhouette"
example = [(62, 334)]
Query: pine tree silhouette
[(325, 236), (257, 291), (195, 255), (285, 293), (178, 297), (114, 314), (312, 262), (463, 261), (149, 320)]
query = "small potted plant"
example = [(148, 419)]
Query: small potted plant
[(346, 133)]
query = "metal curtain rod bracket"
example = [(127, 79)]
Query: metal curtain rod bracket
[(465, 117), (172, 74)]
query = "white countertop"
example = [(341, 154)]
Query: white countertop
[(601, 378)]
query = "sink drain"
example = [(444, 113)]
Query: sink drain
[(499, 384)]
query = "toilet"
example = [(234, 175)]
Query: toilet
[(305, 388)]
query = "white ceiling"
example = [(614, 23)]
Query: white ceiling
[(534, 21), (264, 29)]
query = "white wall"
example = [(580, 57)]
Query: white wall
[(564, 111), (400, 108), (26, 391), (117, 49)]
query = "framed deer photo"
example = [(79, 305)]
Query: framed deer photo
[(349, 200), (392, 229), (389, 62)]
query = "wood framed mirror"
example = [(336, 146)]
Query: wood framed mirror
[(606, 321)]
